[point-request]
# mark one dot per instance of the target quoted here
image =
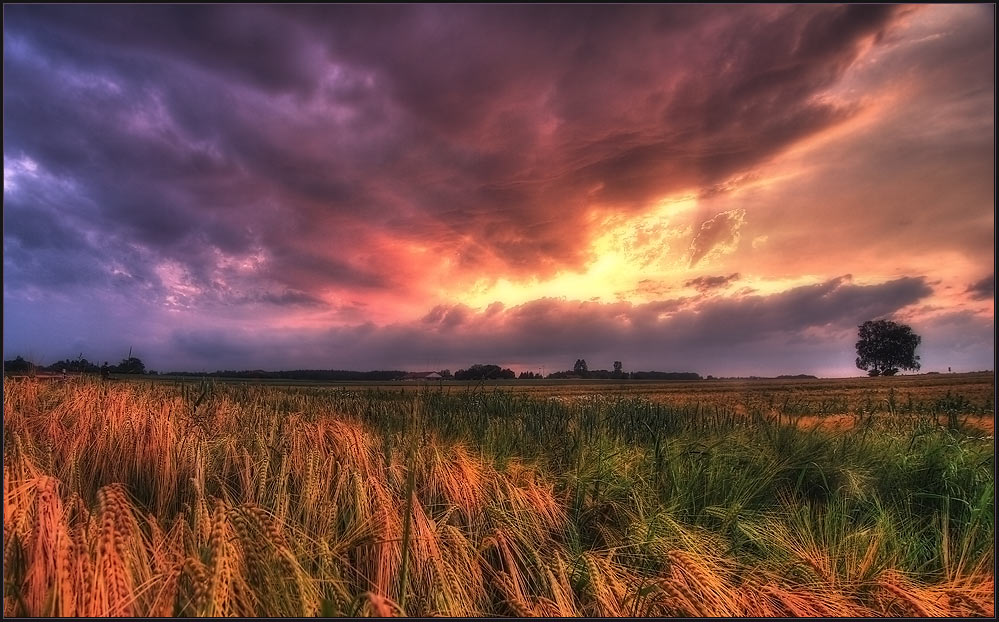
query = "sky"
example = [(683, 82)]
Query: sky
[(728, 190)]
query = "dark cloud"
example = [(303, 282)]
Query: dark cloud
[(36, 227), (51, 269), (984, 289), (832, 305), (290, 298), (729, 335), (706, 283), (251, 44)]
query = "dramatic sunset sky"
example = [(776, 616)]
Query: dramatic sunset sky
[(728, 190)]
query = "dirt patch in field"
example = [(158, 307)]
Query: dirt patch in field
[(985, 423), (828, 422)]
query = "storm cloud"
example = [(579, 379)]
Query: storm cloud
[(230, 174), (709, 336)]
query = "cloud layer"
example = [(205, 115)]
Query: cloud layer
[(364, 171)]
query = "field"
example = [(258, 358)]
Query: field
[(858, 497)]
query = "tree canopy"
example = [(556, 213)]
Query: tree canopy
[(886, 347), (18, 365), (484, 372)]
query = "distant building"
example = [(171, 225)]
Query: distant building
[(422, 375)]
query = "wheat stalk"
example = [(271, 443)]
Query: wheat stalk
[(890, 582), (220, 563)]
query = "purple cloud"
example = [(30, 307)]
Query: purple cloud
[(305, 130), (756, 332)]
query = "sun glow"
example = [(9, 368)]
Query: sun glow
[(633, 248)]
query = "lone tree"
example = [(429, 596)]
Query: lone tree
[(885, 347), (580, 368)]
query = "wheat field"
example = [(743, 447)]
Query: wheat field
[(215, 499)]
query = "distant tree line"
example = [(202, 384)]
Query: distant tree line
[(479, 371), (781, 377), (604, 374), (484, 372), (301, 374), (80, 365), (581, 370), (664, 375)]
